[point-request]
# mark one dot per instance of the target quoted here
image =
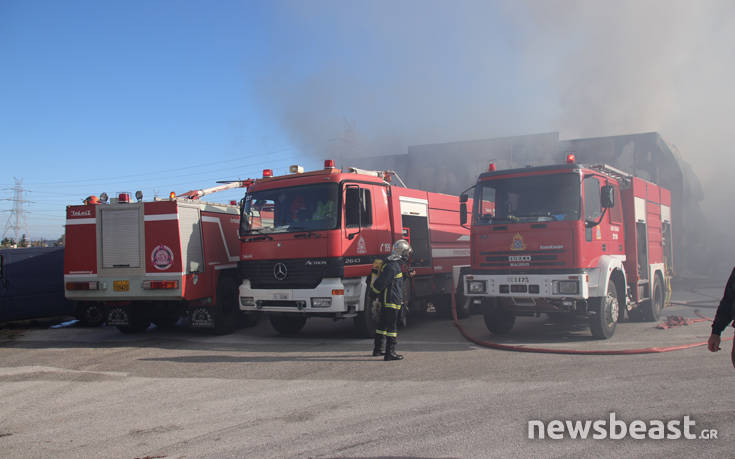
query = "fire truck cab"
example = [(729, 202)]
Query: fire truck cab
[(309, 240), (591, 242)]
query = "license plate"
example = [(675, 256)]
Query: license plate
[(121, 286), (518, 280)]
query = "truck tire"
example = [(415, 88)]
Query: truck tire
[(650, 311), (249, 319), (166, 321), (403, 316), (138, 321), (366, 321), (288, 325), (464, 303), (606, 311), (91, 314), (225, 314), (499, 320)]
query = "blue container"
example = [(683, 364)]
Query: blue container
[(32, 284)]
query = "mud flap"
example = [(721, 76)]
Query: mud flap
[(202, 317), (118, 315)]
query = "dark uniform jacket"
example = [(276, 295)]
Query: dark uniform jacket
[(725, 313), (389, 284)]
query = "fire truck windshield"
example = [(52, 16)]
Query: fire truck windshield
[(536, 198), (293, 209)]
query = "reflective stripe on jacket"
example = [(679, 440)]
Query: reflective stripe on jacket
[(390, 283)]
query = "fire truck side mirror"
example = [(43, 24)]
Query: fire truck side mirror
[(607, 197), (463, 197), (463, 213)]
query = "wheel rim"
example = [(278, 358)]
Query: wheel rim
[(375, 310), (94, 314), (612, 311), (658, 298)]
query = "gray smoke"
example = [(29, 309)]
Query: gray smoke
[(394, 74)]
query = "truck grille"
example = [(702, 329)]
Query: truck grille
[(546, 259), (295, 273), (282, 304)]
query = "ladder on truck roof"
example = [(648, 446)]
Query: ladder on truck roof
[(385, 175), (623, 177)]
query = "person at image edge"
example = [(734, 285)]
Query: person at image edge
[(723, 317)]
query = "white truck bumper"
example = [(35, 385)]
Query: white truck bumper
[(332, 295), (540, 286), (124, 287)]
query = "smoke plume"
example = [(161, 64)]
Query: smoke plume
[(383, 75)]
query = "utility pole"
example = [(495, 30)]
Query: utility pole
[(17, 220)]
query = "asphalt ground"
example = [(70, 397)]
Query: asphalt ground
[(94, 392)]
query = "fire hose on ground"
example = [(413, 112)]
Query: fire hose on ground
[(545, 350)]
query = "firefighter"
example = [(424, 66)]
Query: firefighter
[(389, 288), (723, 317)]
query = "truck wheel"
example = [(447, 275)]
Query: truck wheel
[(651, 309), (249, 319), (499, 320), (226, 309), (91, 314), (607, 309), (636, 314), (288, 325), (166, 321), (366, 321), (403, 316), (464, 303), (138, 322)]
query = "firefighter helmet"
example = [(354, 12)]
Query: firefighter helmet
[(401, 250)]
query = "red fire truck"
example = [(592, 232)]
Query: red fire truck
[(569, 240), (309, 240), (155, 261)]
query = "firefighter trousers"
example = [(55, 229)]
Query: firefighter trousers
[(388, 325)]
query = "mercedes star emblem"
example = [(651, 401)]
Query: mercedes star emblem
[(279, 271)]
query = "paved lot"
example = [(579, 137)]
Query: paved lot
[(93, 392)]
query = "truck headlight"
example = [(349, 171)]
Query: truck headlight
[(566, 287), (321, 302), (476, 286), (247, 301)]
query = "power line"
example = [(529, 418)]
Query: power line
[(173, 181), (230, 161)]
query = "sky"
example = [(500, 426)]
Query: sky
[(164, 96)]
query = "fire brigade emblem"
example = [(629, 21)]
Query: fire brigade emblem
[(162, 257), (361, 246), (518, 243)]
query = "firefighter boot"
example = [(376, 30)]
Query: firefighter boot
[(390, 350), (379, 347)]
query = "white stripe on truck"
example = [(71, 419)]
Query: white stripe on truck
[(447, 253), (81, 221), (160, 217)]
